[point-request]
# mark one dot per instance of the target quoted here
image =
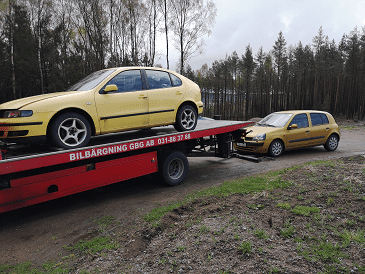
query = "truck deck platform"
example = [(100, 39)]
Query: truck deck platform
[(37, 173)]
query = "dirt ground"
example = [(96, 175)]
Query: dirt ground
[(39, 233)]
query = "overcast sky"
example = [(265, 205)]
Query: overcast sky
[(258, 22)]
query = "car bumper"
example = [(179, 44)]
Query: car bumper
[(21, 127), (251, 147)]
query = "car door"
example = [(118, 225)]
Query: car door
[(320, 128), (164, 96), (126, 108), (300, 136)]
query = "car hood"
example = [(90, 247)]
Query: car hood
[(261, 129), (20, 103)]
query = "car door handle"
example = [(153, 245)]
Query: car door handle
[(178, 92), (307, 131), (142, 96), (327, 128)]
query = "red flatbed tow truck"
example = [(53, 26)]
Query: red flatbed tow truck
[(38, 173)]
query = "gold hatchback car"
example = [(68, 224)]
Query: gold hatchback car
[(287, 130), (106, 101)]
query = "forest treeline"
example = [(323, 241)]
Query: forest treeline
[(48, 45), (323, 76)]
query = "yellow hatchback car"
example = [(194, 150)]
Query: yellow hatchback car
[(106, 101), (287, 130)]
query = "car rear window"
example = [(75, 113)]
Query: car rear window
[(175, 80), (318, 119), (158, 79)]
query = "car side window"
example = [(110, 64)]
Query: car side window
[(158, 79), (301, 120), (324, 119), (129, 80), (316, 119), (175, 80), (319, 119)]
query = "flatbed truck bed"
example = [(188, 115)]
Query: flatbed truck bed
[(38, 173)]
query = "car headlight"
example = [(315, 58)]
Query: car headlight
[(259, 137), (17, 113)]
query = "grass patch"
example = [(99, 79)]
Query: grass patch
[(95, 245), (105, 222), (287, 232), (261, 234), (305, 210), (243, 186), (353, 236), (245, 247), (49, 267), (283, 205)]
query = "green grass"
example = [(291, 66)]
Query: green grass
[(95, 245), (305, 210), (283, 205), (49, 267), (243, 186), (245, 247), (287, 232), (357, 236), (105, 222), (261, 234)]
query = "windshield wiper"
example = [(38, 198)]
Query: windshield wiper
[(265, 125)]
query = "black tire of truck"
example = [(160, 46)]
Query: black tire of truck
[(173, 167)]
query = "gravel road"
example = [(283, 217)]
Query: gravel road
[(38, 232)]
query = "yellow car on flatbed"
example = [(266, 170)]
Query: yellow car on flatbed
[(110, 100), (285, 130)]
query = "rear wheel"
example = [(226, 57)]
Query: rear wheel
[(332, 143), (186, 118), (276, 148), (173, 168), (70, 130)]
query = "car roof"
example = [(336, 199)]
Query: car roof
[(301, 111)]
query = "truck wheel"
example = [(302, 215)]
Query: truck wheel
[(173, 168), (276, 148), (70, 130), (186, 118), (332, 143)]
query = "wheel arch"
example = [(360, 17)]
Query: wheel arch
[(77, 110), (278, 139), (335, 133), (190, 103)]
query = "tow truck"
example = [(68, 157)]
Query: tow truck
[(38, 173)]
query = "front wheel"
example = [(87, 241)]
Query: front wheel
[(70, 130), (173, 168), (332, 143), (186, 118), (276, 148)]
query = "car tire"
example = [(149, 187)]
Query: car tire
[(331, 143), (70, 130), (186, 118), (173, 168), (276, 148)]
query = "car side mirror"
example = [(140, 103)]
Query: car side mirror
[(293, 126), (110, 88)]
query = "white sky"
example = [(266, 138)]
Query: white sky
[(258, 23)]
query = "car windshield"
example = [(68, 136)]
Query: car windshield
[(91, 81), (275, 120)]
